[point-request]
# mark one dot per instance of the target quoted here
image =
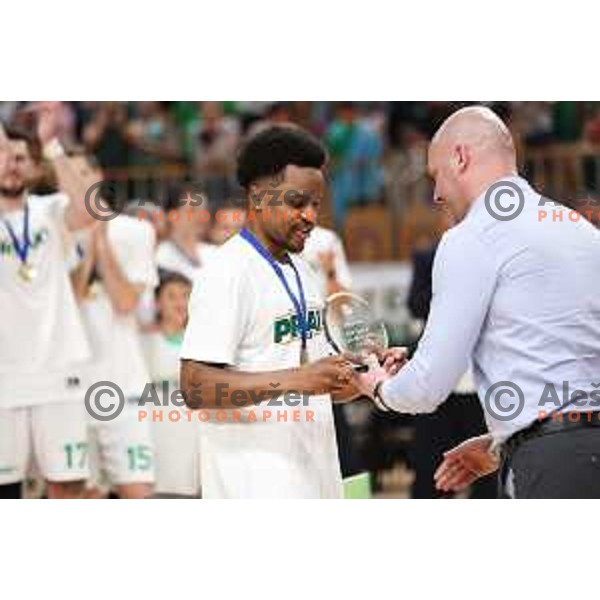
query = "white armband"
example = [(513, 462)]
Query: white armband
[(53, 149)]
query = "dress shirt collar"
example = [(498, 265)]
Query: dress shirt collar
[(478, 207)]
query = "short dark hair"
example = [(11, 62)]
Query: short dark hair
[(271, 150), (166, 277), (16, 133)]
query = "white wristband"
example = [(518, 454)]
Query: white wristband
[(53, 149)]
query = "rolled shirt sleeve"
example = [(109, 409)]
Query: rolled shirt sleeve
[(464, 278)]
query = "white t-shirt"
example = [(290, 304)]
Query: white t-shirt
[(115, 339), (171, 258), (176, 442), (324, 240), (241, 315), (162, 356), (42, 340)]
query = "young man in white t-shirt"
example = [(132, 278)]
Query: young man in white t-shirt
[(116, 268), (255, 361), (42, 341), (186, 250)]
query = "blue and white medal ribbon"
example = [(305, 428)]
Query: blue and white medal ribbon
[(26, 271)]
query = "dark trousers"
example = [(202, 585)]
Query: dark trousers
[(457, 419), (557, 465), (343, 433)]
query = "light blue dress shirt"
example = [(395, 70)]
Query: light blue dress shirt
[(520, 299)]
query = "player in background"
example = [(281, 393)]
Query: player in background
[(256, 329), (116, 268), (227, 221), (324, 252), (42, 340), (186, 250), (176, 439), (155, 215)]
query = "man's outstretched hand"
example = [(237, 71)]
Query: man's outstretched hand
[(391, 361), (465, 464)]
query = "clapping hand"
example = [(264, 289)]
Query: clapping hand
[(465, 464), (48, 120)]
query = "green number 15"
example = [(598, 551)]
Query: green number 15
[(140, 458)]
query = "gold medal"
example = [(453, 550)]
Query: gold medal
[(93, 290), (27, 272)]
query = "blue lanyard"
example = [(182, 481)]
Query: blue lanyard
[(22, 250), (299, 304)]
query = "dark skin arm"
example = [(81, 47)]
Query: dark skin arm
[(211, 386)]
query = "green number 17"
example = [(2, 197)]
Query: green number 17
[(76, 455)]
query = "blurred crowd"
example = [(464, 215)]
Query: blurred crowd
[(377, 149)]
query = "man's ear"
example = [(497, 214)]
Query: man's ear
[(461, 157)]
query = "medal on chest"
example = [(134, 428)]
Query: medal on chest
[(94, 290), (298, 300), (26, 272)]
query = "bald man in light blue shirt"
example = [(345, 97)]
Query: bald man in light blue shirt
[(517, 294)]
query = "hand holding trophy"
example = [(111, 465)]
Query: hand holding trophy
[(352, 329)]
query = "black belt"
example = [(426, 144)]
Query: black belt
[(553, 423)]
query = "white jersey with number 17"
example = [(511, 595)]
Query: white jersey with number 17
[(42, 340)]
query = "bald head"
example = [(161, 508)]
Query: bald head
[(471, 150), (479, 128)]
